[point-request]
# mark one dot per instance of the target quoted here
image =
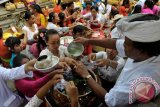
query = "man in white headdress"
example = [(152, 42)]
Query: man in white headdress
[(140, 77)]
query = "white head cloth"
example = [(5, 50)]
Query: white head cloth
[(139, 31)]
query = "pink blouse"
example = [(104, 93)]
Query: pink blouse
[(30, 86), (147, 11)]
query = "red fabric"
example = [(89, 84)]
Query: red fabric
[(69, 22), (57, 9), (4, 52), (81, 20), (94, 26), (29, 87), (87, 50), (122, 10)]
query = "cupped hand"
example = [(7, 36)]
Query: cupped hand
[(81, 69), (70, 61), (71, 90), (62, 65), (56, 78)]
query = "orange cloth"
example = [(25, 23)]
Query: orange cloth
[(41, 21), (122, 10), (57, 9), (4, 52)]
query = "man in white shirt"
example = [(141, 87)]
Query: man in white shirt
[(109, 64), (139, 80), (7, 97)]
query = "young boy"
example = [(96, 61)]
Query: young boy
[(15, 46), (82, 31)]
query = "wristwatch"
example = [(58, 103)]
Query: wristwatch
[(87, 77)]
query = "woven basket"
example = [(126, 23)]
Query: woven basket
[(62, 99)]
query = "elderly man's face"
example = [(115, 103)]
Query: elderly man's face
[(130, 50)]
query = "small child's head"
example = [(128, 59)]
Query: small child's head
[(14, 44), (52, 40), (19, 60), (79, 31)]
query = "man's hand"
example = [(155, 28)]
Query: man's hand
[(62, 65), (103, 62), (81, 69), (56, 78), (92, 57), (29, 66), (81, 40), (69, 61)]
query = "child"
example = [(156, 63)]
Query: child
[(109, 60), (54, 48), (15, 46), (36, 48), (79, 31)]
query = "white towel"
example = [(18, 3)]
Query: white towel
[(139, 31)]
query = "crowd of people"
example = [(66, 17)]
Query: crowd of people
[(128, 68)]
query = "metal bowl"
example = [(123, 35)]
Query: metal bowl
[(54, 62), (75, 49)]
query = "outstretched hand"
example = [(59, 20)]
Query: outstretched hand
[(81, 69), (81, 40), (71, 90), (29, 66)]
